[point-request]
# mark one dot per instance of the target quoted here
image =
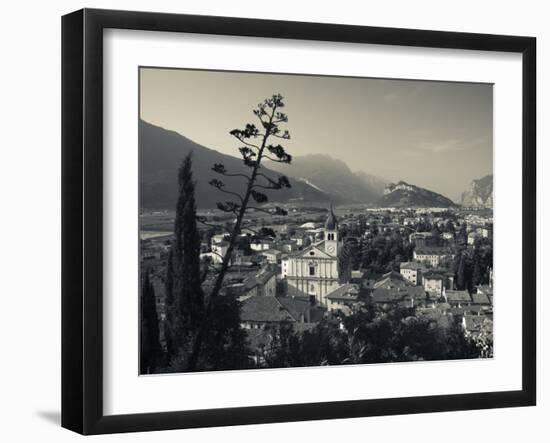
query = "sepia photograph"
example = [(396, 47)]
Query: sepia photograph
[(290, 220)]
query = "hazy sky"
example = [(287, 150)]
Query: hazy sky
[(436, 135)]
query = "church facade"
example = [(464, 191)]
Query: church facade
[(314, 271)]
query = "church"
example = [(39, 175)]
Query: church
[(314, 271)]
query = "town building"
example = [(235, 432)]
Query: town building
[(457, 299), (406, 296), (435, 256), (314, 270), (219, 250), (487, 289), (284, 265), (217, 238), (357, 277), (412, 271), (433, 283), (289, 246), (422, 239), (344, 299), (264, 284), (271, 255), (259, 312), (481, 299), (391, 280), (261, 245)]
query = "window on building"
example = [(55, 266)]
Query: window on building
[(312, 270)]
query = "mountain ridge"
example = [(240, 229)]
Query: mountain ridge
[(403, 194), (331, 176), (160, 154), (479, 194)]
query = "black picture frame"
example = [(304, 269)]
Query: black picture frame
[(82, 215)]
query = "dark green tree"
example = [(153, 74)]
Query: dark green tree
[(477, 273), (374, 334), (151, 354), (450, 227), (169, 304), (324, 345), (345, 261), (436, 234), (462, 235), (224, 345), (462, 273), (186, 316), (374, 229), (284, 349), (460, 347), (394, 333), (266, 233), (483, 261), (184, 294)]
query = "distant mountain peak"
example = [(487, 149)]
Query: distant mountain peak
[(403, 194), (479, 194), (400, 186)]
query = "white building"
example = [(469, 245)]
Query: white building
[(218, 238), (314, 270), (272, 255), (218, 251), (411, 271), (284, 266), (448, 236), (434, 284), (435, 256), (261, 245)]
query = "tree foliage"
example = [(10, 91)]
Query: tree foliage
[(257, 145), (184, 294), (383, 253), (374, 334), (345, 261), (151, 354), (473, 266), (188, 316)]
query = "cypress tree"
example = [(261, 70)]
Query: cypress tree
[(345, 263), (461, 273), (169, 308), (184, 295), (151, 351)]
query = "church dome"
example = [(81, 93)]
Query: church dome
[(332, 222)]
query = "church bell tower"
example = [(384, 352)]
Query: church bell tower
[(332, 242)]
